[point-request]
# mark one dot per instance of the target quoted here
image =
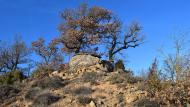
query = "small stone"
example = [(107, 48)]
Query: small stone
[(92, 104)]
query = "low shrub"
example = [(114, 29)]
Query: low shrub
[(82, 91), (7, 92), (168, 93), (115, 79), (32, 93), (120, 98), (45, 100), (92, 77), (84, 100), (119, 65), (49, 83), (153, 81), (64, 67), (146, 103), (123, 77), (177, 95), (11, 77), (142, 86), (40, 73)]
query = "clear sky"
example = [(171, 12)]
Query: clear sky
[(159, 18)]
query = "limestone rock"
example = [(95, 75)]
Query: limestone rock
[(81, 63), (92, 104), (83, 60), (60, 74)]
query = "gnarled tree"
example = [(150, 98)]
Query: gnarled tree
[(118, 40), (86, 28), (83, 28), (50, 56), (12, 56)]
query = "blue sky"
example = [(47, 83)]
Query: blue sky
[(159, 18)]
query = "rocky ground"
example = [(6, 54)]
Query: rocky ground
[(89, 89), (88, 82)]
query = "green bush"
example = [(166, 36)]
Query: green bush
[(11, 77), (119, 65)]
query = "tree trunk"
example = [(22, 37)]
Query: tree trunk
[(110, 56)]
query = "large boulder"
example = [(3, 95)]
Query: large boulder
[(83, 61), (87, 62)]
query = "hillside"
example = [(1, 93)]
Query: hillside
[(88, 82)]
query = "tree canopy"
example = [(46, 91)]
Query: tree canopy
[(85, 28)]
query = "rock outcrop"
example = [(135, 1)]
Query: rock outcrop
[(81, 63)]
